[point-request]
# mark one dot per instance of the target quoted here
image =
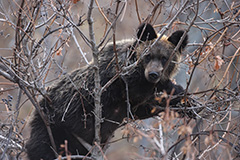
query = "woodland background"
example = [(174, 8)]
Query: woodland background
[(42, 40)]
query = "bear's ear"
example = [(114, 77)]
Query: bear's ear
[(146, 32), (175, 38)]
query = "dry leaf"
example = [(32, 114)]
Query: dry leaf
[(184, 130), (75, 1), (153, 110), (137, 138), (59, 52), (187, 146), (218, 62), (183, 100), (208, 139), (159, 99)]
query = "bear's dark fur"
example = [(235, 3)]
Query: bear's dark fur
[(72, 98)]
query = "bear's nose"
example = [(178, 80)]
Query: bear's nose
[(153, 76)]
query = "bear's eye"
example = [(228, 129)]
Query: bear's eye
[(164, 60), (148, 57)]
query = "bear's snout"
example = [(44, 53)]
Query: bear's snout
[(153, 76), (153, 71)]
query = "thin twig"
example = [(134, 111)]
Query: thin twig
[(96, 154)]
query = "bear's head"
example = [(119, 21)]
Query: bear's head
[(155, 57)]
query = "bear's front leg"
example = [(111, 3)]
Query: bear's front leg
[(153, 106)]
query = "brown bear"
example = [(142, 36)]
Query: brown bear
[(71, 105)]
